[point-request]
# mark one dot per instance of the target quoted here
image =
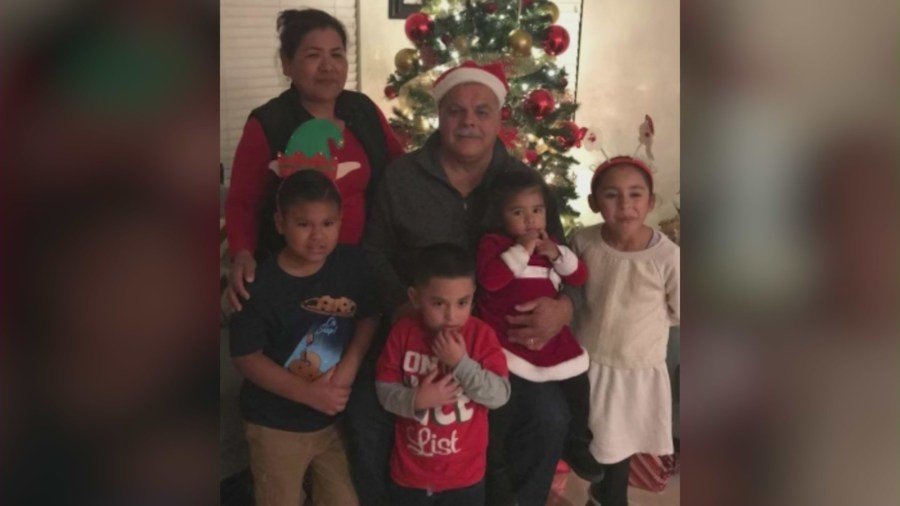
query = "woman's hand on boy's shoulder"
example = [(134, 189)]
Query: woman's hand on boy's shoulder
[(243, 270)]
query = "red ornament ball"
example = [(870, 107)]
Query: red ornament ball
[(490, 7), (390, 92), (556, 41), (573, 135), (505, 113), (539, 104), (418, 27), (531, 156), (527, 3)]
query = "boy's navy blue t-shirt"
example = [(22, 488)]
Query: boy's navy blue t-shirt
[(303, 324)]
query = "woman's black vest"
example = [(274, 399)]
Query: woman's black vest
[(282, 115)]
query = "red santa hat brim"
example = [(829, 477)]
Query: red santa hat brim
[(469, 72)]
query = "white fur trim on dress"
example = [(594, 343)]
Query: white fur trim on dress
[(567, 263), (469, 75), (516, 258), (561, 371)]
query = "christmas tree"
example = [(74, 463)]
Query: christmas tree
[(522, 37)]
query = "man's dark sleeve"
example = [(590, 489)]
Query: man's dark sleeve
[(381, 246)]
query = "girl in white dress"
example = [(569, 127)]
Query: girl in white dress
[(622, 318)]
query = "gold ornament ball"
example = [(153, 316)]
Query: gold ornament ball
[(460, 43), (405, 60), (551, 10), (422, 123), (520, 42)]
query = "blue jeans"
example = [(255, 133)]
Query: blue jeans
[(469, 496), (526, 441), (370, 436)]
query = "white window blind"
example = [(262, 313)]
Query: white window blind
[(250, 70), (570, 19)]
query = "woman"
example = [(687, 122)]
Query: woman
[(313, 55)]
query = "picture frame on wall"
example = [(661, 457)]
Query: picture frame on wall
[(400, 9)]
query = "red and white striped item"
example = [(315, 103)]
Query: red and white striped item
[(651, 472)]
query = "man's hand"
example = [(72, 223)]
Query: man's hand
[(529, 241), (243, 269), (325, 396), (434, 392), (546, 247), (543, 318), (449, 347)]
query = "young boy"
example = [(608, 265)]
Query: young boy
[(298, 342), (440, 372)]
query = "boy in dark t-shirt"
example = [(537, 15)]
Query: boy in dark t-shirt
[(298, 342)]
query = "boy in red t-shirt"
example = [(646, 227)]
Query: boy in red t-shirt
[(439, 373)]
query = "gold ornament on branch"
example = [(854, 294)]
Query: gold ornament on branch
[(422, 123), (460, 43), (520, 42), (405, 60), (550, 9)]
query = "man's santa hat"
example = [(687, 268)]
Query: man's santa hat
[(490, 75)]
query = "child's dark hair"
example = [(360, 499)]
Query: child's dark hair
[(506, 184), (621, 161), (306, 186), (443, 260), (293, 25)]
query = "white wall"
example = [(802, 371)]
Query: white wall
[(379, 40), (630, 66)]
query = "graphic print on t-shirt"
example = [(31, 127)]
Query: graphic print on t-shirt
[(422, 440), (322, 345)]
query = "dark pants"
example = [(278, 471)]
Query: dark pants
[(577, 392), (370, 436), (526, 440), (613, 489), (469, 496)]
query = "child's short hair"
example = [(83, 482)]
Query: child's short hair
[(306, 186), (443, 260), (506, 184), (618, 161)]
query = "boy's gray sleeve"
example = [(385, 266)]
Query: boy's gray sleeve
[(398, 399), (484, 387)]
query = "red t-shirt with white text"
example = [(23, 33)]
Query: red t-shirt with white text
[(443, 448)]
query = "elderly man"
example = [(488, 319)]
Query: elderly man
[(437, 194)]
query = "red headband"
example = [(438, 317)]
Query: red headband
[(621, 160)]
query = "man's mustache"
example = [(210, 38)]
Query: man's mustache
[(469, 132)]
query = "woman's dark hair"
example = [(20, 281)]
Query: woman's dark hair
[(443, 260), (506, 184), (306, 186), (293, 25)]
